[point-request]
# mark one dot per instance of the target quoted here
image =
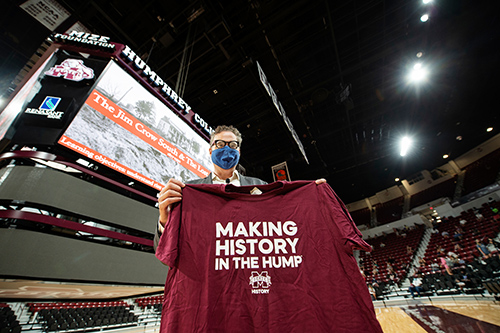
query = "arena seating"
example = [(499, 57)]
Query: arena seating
[(470, 278), (61, 316), (472, 229), (475, 273), (389, 211), (154, 302), (493, 288), (395, 247), (361, 216), (8, 320), (482, 172), (441, 190)]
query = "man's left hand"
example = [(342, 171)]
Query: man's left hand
[(320, 181)]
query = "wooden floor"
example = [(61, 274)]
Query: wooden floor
[(443, 314), (45, 290)]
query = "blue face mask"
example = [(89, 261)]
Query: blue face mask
[(226, 157)]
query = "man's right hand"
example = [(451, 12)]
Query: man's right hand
[(171, 193)]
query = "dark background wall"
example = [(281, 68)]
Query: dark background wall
[(37, 255), (57, 189)]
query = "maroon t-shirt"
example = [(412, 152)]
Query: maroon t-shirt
[(281, 261)]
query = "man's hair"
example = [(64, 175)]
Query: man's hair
[(225, 128)]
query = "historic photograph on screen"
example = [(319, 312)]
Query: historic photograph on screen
[(125, 127)]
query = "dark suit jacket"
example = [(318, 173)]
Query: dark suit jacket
[(244, 181)]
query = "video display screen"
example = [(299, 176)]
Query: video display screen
[(125, 127)]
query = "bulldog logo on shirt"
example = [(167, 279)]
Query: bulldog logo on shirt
[(259, 281)]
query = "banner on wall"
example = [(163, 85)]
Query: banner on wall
[(48, 12), (280, 172)]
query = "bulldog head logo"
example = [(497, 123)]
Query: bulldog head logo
[(71, 69), (262, 280)]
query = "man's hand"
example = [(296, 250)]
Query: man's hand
[(171, 193), (320, 181)]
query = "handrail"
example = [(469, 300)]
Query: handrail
[(34, 217)]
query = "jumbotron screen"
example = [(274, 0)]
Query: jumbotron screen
[(123, 126)]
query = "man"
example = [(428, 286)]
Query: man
[(492, 246), (372, 291), (483, 249), (416, 285), (211, 288), (225, 143)]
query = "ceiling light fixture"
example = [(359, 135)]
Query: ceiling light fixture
[(445, 156), (424, 18), (405, 145), (489, 129), (418, 73)]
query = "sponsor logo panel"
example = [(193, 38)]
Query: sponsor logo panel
[(47, 108)]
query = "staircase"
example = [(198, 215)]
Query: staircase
[(420, 252)]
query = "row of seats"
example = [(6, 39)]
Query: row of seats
[(56, 319), (8, 320), (468, 278), (154, 302), (35, 307), (445, 189), (472, 229), (57, 316), (395, 247), (475, 277), (481, 173)]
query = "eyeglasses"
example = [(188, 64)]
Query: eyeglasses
[(222, 144)]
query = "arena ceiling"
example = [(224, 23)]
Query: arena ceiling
[(311, 52)]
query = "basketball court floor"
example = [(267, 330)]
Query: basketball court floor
[(439, 314)]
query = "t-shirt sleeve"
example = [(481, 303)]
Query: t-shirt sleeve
[(168, 246), (335, 210)]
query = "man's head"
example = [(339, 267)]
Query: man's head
[(225, 144), (224, 128)]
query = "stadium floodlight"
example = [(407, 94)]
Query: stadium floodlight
[(405, 145), (418, 73)]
